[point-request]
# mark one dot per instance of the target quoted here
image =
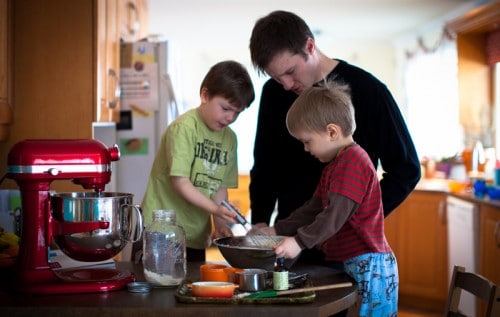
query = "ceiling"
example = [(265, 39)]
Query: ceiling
[(229, 22)]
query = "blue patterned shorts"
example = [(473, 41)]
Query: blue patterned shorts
[(378, 282)]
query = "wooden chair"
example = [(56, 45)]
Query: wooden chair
[(478, 286)]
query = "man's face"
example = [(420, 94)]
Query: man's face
[(293, 72)]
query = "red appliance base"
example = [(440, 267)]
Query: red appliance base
[(81, 280)]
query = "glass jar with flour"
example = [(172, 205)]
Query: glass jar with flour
[(164, 248)]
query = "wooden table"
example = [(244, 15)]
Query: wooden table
[(162, 302)]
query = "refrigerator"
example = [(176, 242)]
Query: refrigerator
[(147, 106)]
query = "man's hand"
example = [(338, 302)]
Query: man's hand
[(261, 229)]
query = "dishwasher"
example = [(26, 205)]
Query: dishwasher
[(463, 243)]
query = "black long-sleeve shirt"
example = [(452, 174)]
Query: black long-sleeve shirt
[(285, 174)]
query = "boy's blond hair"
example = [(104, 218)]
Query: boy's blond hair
[(318, 106)]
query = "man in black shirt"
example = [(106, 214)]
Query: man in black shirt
[(283, 47)]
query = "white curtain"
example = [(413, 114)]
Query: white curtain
[(431, 88)]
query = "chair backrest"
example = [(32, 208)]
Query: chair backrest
[(475, 284)]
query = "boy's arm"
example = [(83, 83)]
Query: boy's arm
[(328, 222), (300, 217), (186, 190), (221, 228)]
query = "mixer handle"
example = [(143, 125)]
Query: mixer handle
[(129, 232)]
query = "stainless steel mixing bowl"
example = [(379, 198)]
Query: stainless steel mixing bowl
[(246, 252), (124, 223)]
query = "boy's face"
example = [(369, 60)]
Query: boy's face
[(322, 145), (217, 112)]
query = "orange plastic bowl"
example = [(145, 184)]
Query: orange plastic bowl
[(456, 186), (213, 289), (213, 272)]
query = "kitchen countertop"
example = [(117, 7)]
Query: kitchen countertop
[(470, 197), (441, 185), (162, 302)]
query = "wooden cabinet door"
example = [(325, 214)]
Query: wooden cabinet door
[(61, 62), (133, 19), (489, 246), (118, 20), (108, 43), (416, 231), (143, 6), (5, 70), (53, 69), (53, 73), (489, 249), (391, 229), (475, 82)]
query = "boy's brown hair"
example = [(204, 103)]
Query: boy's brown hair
[(230, 80), (318, 106)]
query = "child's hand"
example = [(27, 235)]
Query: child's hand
[(221, 228), (225, 214), (287, 248)]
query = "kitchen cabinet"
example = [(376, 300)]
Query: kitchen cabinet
[(108, 60), (5, 70), (489, 245), (134, 20), (65, 71), (417, 233), (475, 75), (489, 242), (118, 20), (53, 72)]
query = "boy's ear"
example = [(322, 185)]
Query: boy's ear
[(333, 131), (204, 95)]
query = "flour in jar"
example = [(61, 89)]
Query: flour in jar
[(164, 250), (161, 279)]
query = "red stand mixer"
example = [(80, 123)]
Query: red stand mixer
[(96, 225)]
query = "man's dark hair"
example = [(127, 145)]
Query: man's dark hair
[(275, 33)]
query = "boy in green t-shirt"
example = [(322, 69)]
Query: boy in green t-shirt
[(196, 161)]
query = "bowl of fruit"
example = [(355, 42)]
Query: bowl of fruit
[(9, 248)]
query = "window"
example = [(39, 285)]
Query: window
[(431, 88)]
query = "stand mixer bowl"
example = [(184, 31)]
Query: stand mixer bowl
[(123, 223)]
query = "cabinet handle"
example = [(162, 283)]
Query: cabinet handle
[(133, 18), (441, 212), (115, 88), (497, 233)]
